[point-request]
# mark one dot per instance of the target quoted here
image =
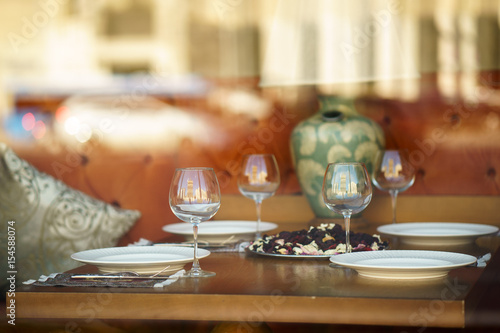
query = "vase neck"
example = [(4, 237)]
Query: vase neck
[(336, 103)]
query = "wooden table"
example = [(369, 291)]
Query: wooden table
[(250, 288)]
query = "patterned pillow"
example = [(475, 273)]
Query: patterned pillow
[(50, 220)]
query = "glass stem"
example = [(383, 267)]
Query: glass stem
[(196, 264), (258, 205), (347, 223), (394, 198)]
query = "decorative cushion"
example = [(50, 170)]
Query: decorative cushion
[(51, 221)]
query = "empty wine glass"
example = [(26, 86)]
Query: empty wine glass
[(259, 179), (195, 197), (347, 190), (393, 172)]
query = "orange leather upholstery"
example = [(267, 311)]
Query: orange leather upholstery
[(455, 148)]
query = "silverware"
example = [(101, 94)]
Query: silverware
[(188, 244), (233, 246), (118, 277), (123, 276)]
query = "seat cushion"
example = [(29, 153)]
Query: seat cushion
[(49, 221)]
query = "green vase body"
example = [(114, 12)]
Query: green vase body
[(336, 133)]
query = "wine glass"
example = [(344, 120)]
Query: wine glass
[(393, 172), (346, 190), (195, 197), (259, 179)]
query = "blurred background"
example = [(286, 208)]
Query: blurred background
[(111, 95)]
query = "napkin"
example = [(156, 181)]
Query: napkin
[(171, 279), (42, 278), (141, 242), (481, 261)]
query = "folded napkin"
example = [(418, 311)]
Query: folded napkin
[(170, 280), (481, 261), (141, 242), (42, 278)]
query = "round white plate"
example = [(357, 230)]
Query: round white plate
[(140, 259), (220, 231), (437, 233), (403, 264)]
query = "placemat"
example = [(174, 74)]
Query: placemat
[(66, 280)]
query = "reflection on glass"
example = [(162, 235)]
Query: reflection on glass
[(393, 173), (346, 190), (259, 179), (195, 197)]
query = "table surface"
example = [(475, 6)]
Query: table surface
[(252, 288)]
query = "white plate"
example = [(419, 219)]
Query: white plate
[(438, 233), (403, 264), (220, 231), (140, 259)]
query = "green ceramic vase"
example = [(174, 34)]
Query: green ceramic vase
[(336, 133)]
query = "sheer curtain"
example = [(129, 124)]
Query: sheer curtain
[(353, 47), (382, 46)]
